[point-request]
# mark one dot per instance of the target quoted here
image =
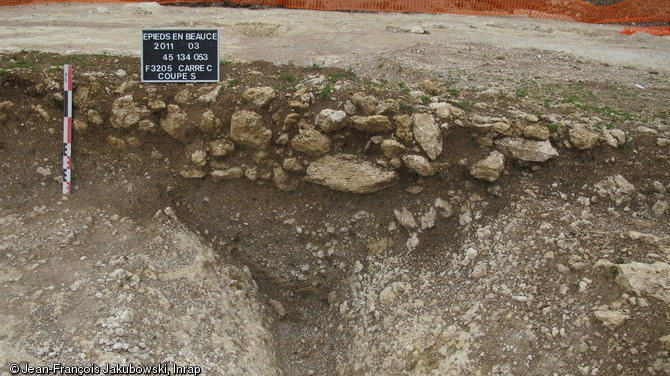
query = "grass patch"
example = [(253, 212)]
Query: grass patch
[(288, 77), (233, 82), (405, 107), (349, 75), (521, 93), (326, 91), (606, 125), (453, 91), (425, 99), (80, 60), (223, 63), (608, 111), (316, 66), (553, 128)]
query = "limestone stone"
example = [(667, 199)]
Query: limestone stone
[(310, 141), (349, 108), (347, 173), (427, 134), (4, 107), (616, 187), (537, 132), (230, 173), (134, 141), (298, 106), (183, 97), (443, 110), (221, 148), (246, 128), (419, 164), (660, 208), (192, 173), (444, 207), (526, 150), (331, 120), (209, 122), (427, 220), (125, 112), (94, 117), (292, 164), (259, 96), (429, 87), (175, 122), (374, 123), (199, 158), (290, 120), (403, 128), (211, 95), (157, 105), (503, 128), (392, 291), (489, 168), (116, 142), (615, 137), (147, 125), (405, 218), (278, 307), (645, 279), (367, 103), (81, 126), (611, 319), (665, 342), (582, 138), (392, 148), (282, 180), (41, 111)]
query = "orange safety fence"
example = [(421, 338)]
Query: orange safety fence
[(660, 31), (569, 10)]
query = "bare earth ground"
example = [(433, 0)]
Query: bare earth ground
[(557, 267)]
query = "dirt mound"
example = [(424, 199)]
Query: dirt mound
[(516, 228)]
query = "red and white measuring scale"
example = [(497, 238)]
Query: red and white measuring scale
[(67, 129)]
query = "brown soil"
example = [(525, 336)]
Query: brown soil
[(278, 234)]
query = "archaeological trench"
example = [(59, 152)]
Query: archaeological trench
[(306, 221)]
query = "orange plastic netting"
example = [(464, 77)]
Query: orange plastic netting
[(569, 10)]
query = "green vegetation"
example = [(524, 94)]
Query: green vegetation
[(326, 91), (521, 93), (606, 125), (288, 77), (349, 75), (405, 107), (233, 82), (316, 66), (453, 91), (616, 115), (553, 128), (80, 60), (223, 63)]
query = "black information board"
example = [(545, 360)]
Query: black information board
[(170, 55)]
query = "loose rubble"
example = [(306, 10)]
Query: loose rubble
[(384, 230)]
